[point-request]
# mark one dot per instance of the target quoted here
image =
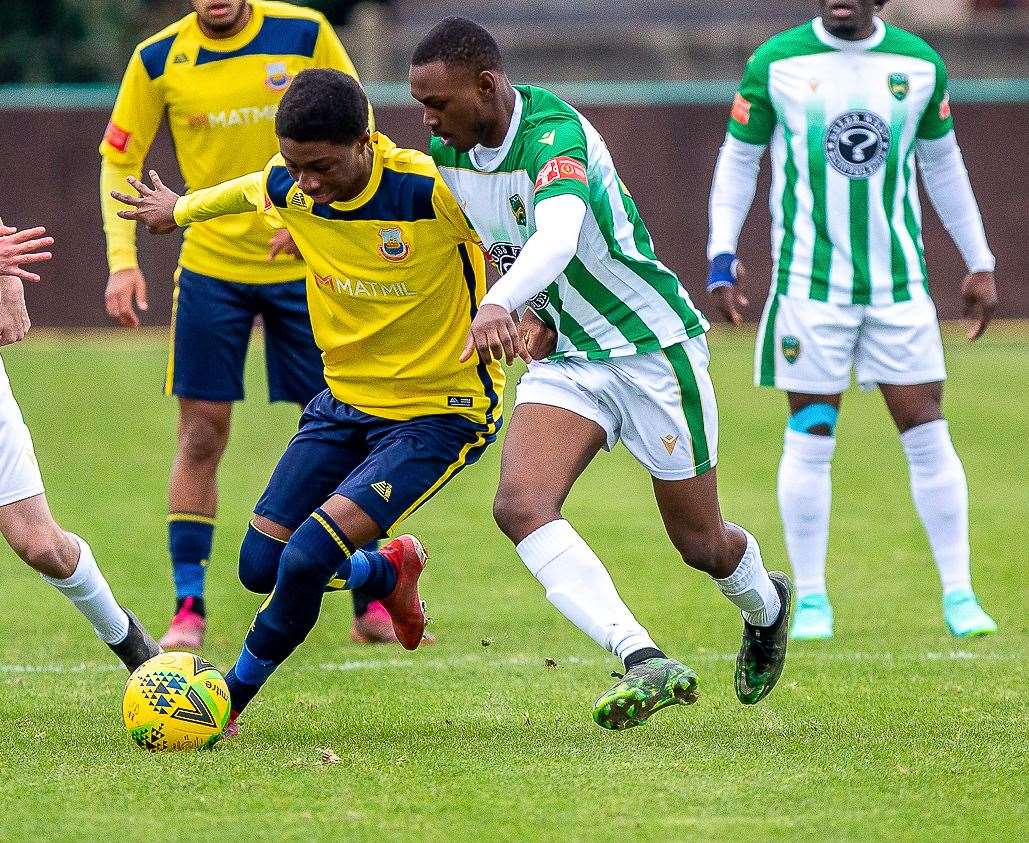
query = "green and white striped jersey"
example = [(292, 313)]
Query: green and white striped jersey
[(615, 298), (843, 118)]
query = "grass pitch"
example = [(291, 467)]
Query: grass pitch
[(893, 730)]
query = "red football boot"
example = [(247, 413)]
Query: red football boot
[(407, 556)]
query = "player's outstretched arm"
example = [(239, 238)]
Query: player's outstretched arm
[(544, 257), (950, 191), (18, 248)]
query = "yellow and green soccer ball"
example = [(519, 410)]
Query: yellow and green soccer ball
[(175, 701)]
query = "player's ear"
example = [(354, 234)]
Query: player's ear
[(487, 84)]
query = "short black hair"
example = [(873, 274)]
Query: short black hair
[(459, 41), (323, 105)]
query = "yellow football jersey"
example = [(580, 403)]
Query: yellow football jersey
[(394, 278), (220, 96)]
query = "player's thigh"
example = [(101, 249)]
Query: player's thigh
[(409, 462), (560, 423), (19, 472), (293, 360), (667, 405), (211, 323), (900, 345), (806, 346), (329, 445)]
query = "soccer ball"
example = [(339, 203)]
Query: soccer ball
[(175, 701)]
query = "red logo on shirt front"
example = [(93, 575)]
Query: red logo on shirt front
[(116, 136), (945, 106), (741, 110), (561, 167)]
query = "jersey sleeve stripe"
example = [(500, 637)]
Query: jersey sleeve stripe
[(277, 37), (155, 56), (278, 185)]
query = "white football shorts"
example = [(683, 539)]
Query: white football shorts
[(811, 346), (661, 405), (19, 472)]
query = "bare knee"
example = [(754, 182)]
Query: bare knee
[(518, 513), (712, 551), (203, 436)]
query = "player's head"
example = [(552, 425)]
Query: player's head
[(849, 18), (219, 16), (456, 74), (322, 124)]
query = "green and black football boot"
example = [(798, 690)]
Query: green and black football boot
[(648, 687), (763, 652)]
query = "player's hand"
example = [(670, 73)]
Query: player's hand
[(495, 336), (154, 207), (282, 244), (123, 288), (539, 339), (14, 317), (979, 294), (726, 285), (22, 247)]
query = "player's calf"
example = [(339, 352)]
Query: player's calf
[(41, 544)]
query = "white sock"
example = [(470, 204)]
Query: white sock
[(940, 491), (750, 588), (87, 589), (805, 493), (578, 584)]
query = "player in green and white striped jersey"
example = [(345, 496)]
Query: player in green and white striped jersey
[(538, 185), (848, 103)]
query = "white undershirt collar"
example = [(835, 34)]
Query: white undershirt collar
[(869, 43), (486, 159)]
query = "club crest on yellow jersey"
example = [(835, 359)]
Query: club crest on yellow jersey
[(393, 248), (276, 78)]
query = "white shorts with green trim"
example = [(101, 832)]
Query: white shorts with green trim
[(19, 472), (811, 346), (661, 405)]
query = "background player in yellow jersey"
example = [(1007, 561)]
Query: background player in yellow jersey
[(394, 279), (218, 74)]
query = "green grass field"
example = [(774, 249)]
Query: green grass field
[(893, 730)]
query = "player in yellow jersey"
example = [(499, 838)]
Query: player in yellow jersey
[(394, 279), (218, 74)]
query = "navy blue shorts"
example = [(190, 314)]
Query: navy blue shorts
[(388, 468), (211, 323)]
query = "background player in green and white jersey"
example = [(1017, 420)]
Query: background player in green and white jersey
[(848, 103), (538, 184)]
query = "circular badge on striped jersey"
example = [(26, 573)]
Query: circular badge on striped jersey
[(857, 143)]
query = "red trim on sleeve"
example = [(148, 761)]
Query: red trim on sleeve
[(561, 167)]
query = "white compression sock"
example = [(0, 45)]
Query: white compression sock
[(805, 493), (940, 491), (750, 588), (578, 584), (87, 589)]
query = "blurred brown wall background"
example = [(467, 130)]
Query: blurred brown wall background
[(665, 155)]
